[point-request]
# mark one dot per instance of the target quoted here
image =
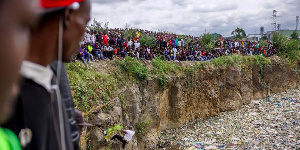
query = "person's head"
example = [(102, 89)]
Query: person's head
[(72, 16), (130, 127), (16, 19), (74, 26)]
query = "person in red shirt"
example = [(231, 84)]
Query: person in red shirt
[(124, 45), (105, 39), (115, 50), (235, 51)]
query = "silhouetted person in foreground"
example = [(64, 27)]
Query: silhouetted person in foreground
[(40, 108), (16, 19)]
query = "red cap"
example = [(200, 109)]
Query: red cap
[(46, 4)]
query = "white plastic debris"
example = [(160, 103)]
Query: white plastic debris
[(271, 123)]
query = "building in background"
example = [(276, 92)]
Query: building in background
[(286, 32)]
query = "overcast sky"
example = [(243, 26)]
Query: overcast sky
[(194, 17)]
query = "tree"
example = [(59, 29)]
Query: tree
[(263, 43), (97, 26), (207, 41), (264, 38), (148, 41), (294, 35), (130, 33), (238, 33), (286, 48), (279, 41)]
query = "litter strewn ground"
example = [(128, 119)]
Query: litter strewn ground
[(271, 123)]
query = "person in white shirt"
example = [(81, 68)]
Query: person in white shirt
[(93, 39), (137, 45), (175, 52), (129, 44), (237, 44), (87, 37), (110, 52), (128, 136), (179, 43)]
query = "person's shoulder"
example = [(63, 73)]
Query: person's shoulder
[(30, 89), (129, 131), (28, 85)]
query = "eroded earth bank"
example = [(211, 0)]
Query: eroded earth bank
[(153, 106)]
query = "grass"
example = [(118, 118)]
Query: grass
[(143, 127), (163, 68), (89, 87), (133, 67), (238, 60)]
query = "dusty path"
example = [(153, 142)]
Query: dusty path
[(271, 123)]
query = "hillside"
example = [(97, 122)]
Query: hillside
[(159, 95)]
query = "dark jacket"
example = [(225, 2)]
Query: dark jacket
[(69, 104), (35, 110)]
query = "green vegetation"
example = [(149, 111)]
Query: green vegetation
[(149, 41), (89, 87), (240, 61), (207, 41), (264, 38), (238, 33), (279, 40), (130, 34), (263, 43), (122, 100), (133, 67), (261, 61), (294, 35), (187, 42), (288, 49), (93, 90), (190, 74), (162, 69), (116, 129), (97, 26), (291, 51), (143, 127)]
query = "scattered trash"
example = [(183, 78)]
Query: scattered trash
[(198, 145), (271, 123)]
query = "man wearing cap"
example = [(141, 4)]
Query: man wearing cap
[(40, 108), (14, 40)]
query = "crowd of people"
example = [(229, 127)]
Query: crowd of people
[(112, 44)]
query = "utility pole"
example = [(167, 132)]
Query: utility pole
[(297, 21), (262, 31), (278, 27), (274, 17)]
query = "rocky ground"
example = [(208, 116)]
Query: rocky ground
[(271, 123)]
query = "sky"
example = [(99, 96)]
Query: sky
[(195, 17)]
